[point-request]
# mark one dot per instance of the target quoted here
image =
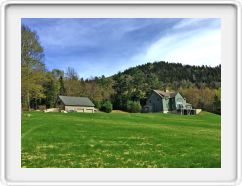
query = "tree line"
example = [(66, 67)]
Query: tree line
[(127, 90)]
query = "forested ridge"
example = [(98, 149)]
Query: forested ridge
[(176, 73), (200, 85)]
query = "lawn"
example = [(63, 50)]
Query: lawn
[(120, 140)]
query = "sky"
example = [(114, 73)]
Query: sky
[(105, 46)]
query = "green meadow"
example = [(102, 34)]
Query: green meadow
[(121, 140)]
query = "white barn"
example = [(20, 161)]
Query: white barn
[(76, 104)]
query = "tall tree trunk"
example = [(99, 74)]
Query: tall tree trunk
[(36, 103), (28, 99)]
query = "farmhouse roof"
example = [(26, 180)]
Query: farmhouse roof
[(76, 101), (165, 94)]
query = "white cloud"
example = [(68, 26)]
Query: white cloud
[(187, 22), (194, 48)]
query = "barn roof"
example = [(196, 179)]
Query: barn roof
[(165, 94), (76, 101)]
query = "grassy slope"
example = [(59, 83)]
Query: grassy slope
[(120, 140)]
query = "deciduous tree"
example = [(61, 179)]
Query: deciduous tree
[(32, 68)]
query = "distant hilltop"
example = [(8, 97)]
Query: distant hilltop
[(177, 73)]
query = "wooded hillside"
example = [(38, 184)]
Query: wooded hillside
[(200, 85)]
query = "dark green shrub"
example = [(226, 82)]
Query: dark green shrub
[(107, 106), (133, 106)]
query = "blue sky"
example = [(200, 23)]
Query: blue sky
[(95, 47)]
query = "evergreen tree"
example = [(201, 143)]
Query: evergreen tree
[(62, 87)]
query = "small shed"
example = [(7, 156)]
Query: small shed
[(76, 104)]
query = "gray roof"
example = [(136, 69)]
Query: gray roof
[(165, 94), (76, 101)]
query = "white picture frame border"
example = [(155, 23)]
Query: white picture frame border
[(236, 3)]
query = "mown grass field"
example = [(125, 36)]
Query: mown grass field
[(120, 140)]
